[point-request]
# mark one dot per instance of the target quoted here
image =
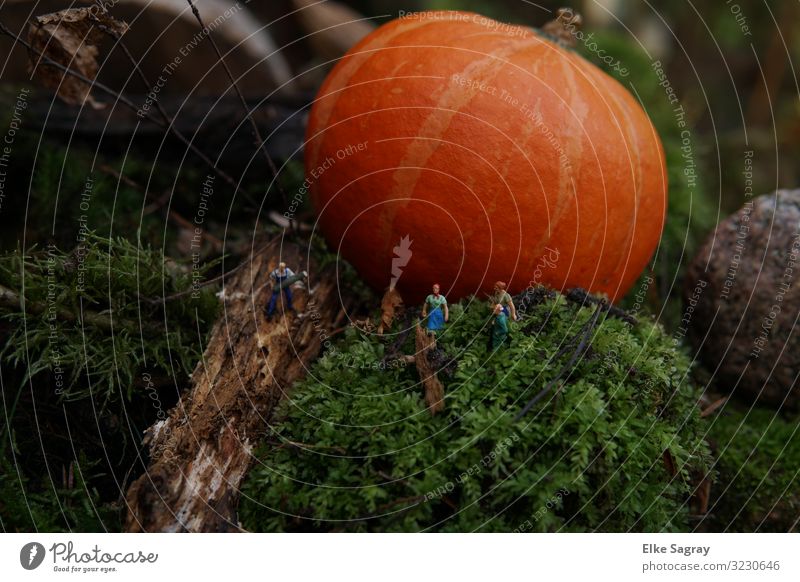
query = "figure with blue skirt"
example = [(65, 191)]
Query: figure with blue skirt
[(435, 310)]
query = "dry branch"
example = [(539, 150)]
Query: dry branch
[(434, 390), (201, 452)]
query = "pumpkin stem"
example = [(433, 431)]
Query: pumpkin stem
[(564, 27)]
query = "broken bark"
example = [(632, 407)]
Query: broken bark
[(391, 307), (434, 390), (201, 452)]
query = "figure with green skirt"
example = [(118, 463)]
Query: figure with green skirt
[(499, 327)]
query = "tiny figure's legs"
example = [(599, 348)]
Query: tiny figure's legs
[(273, 301), (271, 307)]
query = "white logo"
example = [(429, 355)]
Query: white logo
[(31, 555), (402, 254)]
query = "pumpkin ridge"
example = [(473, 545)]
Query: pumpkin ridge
[(321, 111), (445, 103)]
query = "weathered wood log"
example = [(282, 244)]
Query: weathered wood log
[(434, 390), (200, 453), (215, 123)]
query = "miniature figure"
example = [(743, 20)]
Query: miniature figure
[(504, 298), (282, 279), (499, 327), (438, 314)]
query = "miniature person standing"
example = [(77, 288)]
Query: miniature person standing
[(502, 297), (280, 283), (435, 309), (499, 327)]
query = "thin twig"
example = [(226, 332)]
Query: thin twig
[(584, 298), (169, 121), (585, 333), (414, 499), (713, 407), (299, 445), (14, 301), (256, 133), (208, 282)]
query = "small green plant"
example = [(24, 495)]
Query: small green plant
[(757, 458), (68, 502), (354, 448)]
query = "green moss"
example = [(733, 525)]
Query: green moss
[(758, 466), (90, 362), (95, 313), (55, 506), (355, 449)]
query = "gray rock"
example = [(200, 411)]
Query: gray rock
[(742, 300)]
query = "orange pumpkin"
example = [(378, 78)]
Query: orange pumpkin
[(499, 154)]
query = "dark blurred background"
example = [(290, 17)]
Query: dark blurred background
[(730, 63)]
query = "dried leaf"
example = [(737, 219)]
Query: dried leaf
[(70, 38)]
